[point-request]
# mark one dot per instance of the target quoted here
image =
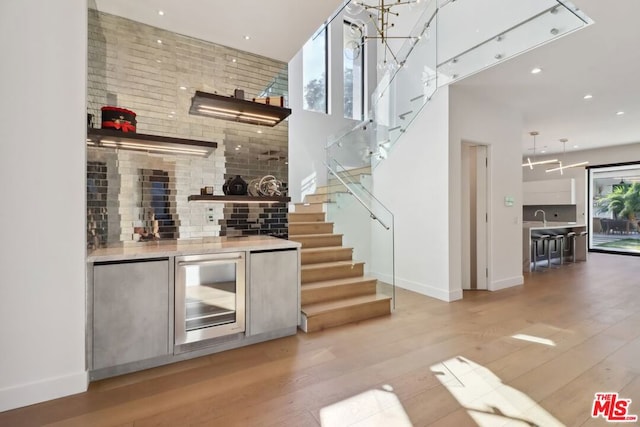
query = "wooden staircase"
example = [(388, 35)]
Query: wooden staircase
[(334, 288)]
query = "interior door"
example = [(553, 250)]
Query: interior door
[(474, 217)]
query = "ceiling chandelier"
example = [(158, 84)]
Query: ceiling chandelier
[(531, 163), (380, 15), (562, 167)]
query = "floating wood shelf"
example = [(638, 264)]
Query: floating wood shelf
[(111, 138), (239, 199), (237, 109)]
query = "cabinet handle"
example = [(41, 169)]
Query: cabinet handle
[(208, 262)]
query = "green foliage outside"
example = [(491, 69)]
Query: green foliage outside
[(622, 202)]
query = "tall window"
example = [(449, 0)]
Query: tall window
[(353, 39), (614, 194), (314, 72)]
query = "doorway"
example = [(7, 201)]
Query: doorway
[(475, 217)]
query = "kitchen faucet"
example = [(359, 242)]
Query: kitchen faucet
[(544, 216)]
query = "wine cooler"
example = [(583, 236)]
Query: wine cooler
[(209, 296)]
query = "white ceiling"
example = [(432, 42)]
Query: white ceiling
[(278, 28), (602, 59)]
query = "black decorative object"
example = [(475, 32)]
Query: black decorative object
[(236, 186)]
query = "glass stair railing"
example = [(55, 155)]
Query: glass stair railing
[(429, 59), (449, 41), (372, 241)]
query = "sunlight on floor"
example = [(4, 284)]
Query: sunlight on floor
[(534, 339), (487, 400), (371, 408)]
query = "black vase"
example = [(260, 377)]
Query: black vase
[(236, 186)]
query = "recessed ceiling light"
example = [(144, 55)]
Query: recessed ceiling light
[(575, 146), (588, 96), (543, 151), (159, 41), (247, 37), (158, 61), (161, 12), (259, 131), (234, 60), (619, 113), (536, 70), (183, 88), (239, 146)]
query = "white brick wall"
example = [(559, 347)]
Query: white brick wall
[(128, 68)]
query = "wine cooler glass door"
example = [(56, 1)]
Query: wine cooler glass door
[(210, 296)]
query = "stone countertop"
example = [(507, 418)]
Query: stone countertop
[(141, 250), (539, 225)]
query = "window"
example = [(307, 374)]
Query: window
[(314, 72), (614, 194), (353, 52)]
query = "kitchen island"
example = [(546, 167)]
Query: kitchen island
[(530, 228), (155, 303)]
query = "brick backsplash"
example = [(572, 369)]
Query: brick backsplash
[(248, 218), (129, 68)]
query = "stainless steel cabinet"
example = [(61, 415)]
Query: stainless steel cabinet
[(274, 291), (130, 312)]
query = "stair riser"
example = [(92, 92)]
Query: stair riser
[(302, 208), (306, 217), (346, 315), (317, 198), (343, 254), (318, 242), (319, 228), (312, 296), (334, 272), (334, 187)]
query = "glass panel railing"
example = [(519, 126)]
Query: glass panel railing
[(405, 87), (436, 53), (373, 240), (536, 23)]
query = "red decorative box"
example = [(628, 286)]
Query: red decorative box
[(119, 119)]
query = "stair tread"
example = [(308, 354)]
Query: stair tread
[(321, 265), (323, 307), (326, 249), (310, 222), (337, 282), (302, 236)]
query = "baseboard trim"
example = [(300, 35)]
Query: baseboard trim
[(421, 288), (40, 391), (506, 283)]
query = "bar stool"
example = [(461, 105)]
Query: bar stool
[(558, 248), (569, 247), (536, 242), (582, 234)]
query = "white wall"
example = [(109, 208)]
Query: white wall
[(412, 182), (598, 156), (309, 131), (480, 121), (42, 196)]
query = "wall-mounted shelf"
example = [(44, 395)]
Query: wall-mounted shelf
[(237, 109), (110, 138), (239, 199)]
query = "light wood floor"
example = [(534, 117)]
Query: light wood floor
[(589, 311)]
